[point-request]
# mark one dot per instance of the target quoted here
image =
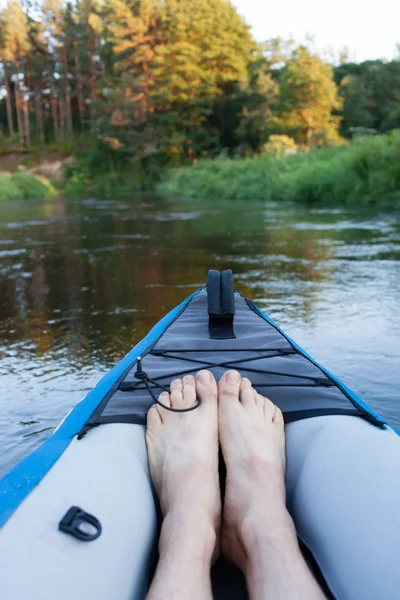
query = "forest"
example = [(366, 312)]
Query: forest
[(134, 88)]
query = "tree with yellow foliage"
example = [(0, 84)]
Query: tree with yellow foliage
[(308, 100)]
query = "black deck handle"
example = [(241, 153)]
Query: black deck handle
[(214, 292), (227, 293), (221, 304)]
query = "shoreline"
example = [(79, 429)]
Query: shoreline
[(365, 172)]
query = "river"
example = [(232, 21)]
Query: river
[(82, 281)]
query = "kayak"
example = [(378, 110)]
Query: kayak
[(79, 518)]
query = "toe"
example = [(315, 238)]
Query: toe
[(247, 393), (228, 388), (189, 391), (154, 420), (176, 393), (259, 400), (165, 399), (278, 418), (269, 409), (206, 387)]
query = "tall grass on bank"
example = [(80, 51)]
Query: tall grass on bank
[(22, 185), (367, 171), (91, 174)]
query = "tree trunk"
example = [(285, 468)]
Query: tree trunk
[(27, 125), (25, 108), (62, 113), (92, 82), (9, 105), (39, 113), (79, 89), (53, 106), (17, 94), (68, 110)]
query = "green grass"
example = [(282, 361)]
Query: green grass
[(105, 180), (22, 185), (367, 171), (106, 185)]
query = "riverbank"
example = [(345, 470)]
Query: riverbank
[(364, 172), (38, 172), (21, 185)]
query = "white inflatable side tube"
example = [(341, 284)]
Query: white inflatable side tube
[(105, 474)]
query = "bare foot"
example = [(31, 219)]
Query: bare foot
[(258, 533), (183, 460), (252, 437)]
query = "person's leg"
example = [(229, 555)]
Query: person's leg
[(183, 461), (258, 533)]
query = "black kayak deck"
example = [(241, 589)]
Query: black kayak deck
[(259, 350)]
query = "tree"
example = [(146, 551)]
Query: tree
[(14, 51), (161, 82), (54, 14), (371, 95), (256, 104), (5, 75), (307, 100), (173, 61)]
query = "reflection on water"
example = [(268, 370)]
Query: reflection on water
[(82, 281)]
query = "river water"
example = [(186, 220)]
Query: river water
[(81, 282)]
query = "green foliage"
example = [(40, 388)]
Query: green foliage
[(278, 145), (8, 190), (371, 95), (307, 100), (140, 86), (364, 172), (89, 174), (22, 185), (173, 60), (252, 104)]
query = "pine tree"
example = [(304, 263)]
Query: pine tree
[(173, 60), (5, 71), (15, 48), (206, 56), (54, 13)]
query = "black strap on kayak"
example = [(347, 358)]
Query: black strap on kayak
[(154, 384), (221, 300), (233, 363), (221, 305), (150, 384)]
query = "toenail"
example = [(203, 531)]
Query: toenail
[(233, 377), (204, 376)]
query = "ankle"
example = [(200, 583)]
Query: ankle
[(188, 533), (267, 524)]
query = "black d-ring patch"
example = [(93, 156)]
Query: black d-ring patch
[(72, 521)]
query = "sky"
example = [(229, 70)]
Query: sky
[(370, 28)]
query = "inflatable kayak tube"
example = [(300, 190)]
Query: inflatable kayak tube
[(78, 516)]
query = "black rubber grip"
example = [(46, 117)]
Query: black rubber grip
[(221, 304), (227, 293), (214, 292)]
